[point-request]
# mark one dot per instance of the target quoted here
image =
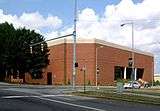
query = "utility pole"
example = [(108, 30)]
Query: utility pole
[(133, 57), (74, 45), (97, 47)]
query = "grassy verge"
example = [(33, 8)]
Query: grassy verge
[(145, 92), (122, 97)]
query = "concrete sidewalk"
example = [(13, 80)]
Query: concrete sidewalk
[(3, 84), (69, 88), (6, 84)]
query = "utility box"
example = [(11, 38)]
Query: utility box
[(119, 87)]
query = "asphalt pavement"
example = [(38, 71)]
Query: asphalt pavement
[(54, 99)]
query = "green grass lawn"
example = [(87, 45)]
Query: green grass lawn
[(134, 97)]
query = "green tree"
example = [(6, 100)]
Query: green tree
[(7, 33), (17, 58)]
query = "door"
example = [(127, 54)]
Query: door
[(49, 78)]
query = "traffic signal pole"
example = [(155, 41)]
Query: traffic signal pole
[(74, 46), (37, 43)]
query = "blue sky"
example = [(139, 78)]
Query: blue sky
[(99, 19), (61, 8)]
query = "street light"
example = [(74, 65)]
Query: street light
[(97, 65), (132, 26)]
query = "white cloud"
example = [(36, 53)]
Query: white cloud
[(88, 15), (31, 20), (37, 21), (52, 34), (107, 26)]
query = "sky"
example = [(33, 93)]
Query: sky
[(99, 19)]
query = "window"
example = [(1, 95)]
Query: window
[(118, 72)]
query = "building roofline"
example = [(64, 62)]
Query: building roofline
[(97, 41), (122, 47), (156, 75)]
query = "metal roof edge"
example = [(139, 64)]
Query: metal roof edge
[(97, 41)]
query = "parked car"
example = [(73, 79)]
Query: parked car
[(144, 84), (132, 84)]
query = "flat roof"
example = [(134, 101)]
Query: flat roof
[(97, 41)]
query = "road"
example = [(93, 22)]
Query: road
[(26, 99)]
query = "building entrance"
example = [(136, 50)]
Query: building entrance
[(49, 78)]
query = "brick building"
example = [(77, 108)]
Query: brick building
[(111, 60)]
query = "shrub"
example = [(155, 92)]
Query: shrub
[(157, 83), (89, 82)]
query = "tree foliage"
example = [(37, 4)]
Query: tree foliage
[(15, 53)]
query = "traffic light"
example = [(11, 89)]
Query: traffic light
[(130, 62), (31, 50), (97, 70), (42, 47), (76, 64)]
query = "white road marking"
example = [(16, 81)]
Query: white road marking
[(68, 99), (71, 104), (10, 97), (42, 97), (59, 95)]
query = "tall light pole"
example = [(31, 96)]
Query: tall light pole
[(74, 45), (97, 65), (132, 26)]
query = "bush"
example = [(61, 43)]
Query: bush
[(157, 83), (123, 80), (89, 82)]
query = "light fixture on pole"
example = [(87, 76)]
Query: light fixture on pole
[(97, 71), (133, 59)]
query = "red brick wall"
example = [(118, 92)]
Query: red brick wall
[(57, 64), (61, 58), (108, 57), (29, 80), (61, 61), (85, 56)]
